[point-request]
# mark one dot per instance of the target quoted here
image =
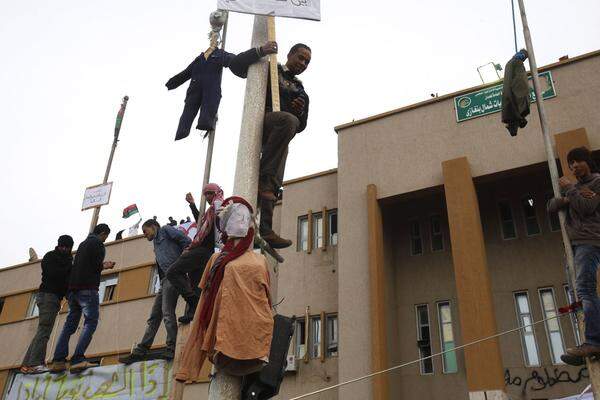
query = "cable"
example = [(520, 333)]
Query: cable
[(497, 335)]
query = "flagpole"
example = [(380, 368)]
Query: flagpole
[(120, 115)]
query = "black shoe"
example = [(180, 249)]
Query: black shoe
[(573, 360), (185, 319), (167, 355), (192, 302), (132, 358)]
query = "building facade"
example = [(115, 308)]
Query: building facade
[(430, 234)]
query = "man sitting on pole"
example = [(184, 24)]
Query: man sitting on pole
[(169, 243), (83, 299), (581, 200), (185, 273), (279, 129), (56, 267)]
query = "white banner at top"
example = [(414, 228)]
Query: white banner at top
[(304, 9)]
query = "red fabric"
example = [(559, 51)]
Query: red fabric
[(573, 307), (230, 252)]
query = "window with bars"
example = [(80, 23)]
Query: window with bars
[(416, 242), (32, 308), (530, 348), (424, 338), (332, 335), (315, 337), (553, 331), (154, 286), (553, 220), (437, 237), (107, 288), (507, 221), (317, 230), (302, 233), (333, 227), (532, 227), (447, 337), (573, 316), (300, 340)]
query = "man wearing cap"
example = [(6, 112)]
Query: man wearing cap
[(56, 267)]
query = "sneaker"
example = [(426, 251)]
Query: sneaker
[(38, 369), (132, 358), (572, 360), (277, 242), (82, 366), (585, 350), (57, 367)]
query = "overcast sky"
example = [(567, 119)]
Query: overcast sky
[(65, 65)]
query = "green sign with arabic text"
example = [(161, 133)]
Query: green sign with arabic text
[(489, 100)]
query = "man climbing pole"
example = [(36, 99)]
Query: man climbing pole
[(581, 201), (169, 243), (279, 129)]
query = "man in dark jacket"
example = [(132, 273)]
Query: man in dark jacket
[(515, 93), (83, 299), (204, 92), (56, 267), (580, 200), (169, 243), (279, 129)]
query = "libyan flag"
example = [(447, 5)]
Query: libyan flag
[(130, 210)]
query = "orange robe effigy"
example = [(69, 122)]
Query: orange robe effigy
[(241, 326)]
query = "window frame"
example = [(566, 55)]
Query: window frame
[(419, 338), (315, 230), (439, 305), (330, 241), (557, 360), (316, 329), (302, 219), (518, 314), (103, 289), (514, 222), (411, 237), (525, 218), (32, 308), (441, 233), (299, 331), (328, 343)]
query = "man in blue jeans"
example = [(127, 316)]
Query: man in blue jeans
[(580, 201), (83, 299)]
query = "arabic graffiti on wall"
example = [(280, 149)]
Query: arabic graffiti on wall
[(141, 381), (489, 100), (540, 380)]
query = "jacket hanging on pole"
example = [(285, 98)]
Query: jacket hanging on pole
[(515, 94), (204, 91)]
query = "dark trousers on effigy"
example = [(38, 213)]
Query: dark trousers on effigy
[(279, 129)]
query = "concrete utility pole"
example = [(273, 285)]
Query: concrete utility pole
[(224, 386), (593, 367), (120, 116)]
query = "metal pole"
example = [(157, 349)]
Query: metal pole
[(512, 8), (593, 367), (120, 115), (211, 142)]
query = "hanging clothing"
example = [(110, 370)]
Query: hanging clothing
[(204, 91), (515, 95), (233, 324)]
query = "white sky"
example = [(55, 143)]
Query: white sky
[(66, 65)]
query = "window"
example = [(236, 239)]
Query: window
[(1, 304), (573, 316), (553, 331), (303, 233), (300, 333), (507, 221), (447, 337), (32, 308), (437, 238), (154, 281), (532, 226), (332, 335), (424, 339), (317, 230), (552, 217), (315, 333), (416, 243), (108, 285), (530, 350), (333, 228)]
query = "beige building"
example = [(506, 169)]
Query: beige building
[(431, 233)]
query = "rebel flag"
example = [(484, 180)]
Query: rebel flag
[(130, 210)]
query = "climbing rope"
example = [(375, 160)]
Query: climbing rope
[(385, 371)]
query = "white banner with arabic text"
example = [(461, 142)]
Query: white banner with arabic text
[(304, 9)]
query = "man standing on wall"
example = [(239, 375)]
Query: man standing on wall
[(56, 267), (580, 201), (169, 243), (83, 299)]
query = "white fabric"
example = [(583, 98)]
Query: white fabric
[(235, 220), (304, 9)]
